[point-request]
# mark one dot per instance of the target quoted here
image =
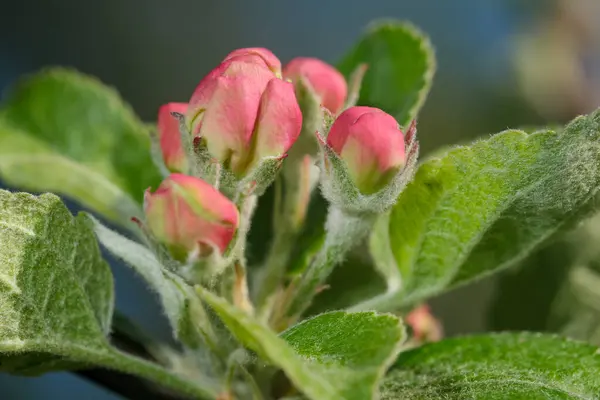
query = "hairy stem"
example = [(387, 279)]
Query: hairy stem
[(161, 377), (343, 232), (237, 264), (293, 190)]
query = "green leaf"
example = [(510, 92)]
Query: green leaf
[(401, 65), (56, 291), (481, 208), (355, 348), (56, 296), (498, 366), (65, 132), (335, 355)]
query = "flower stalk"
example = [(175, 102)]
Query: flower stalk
[(344, 231), (293, 191)]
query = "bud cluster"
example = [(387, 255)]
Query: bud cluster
[(229, 141)]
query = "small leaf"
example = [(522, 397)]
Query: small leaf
[(335, 355), (56, 297), (481, 208), (355, 348), (497, 366), (64, 132), (401, 64)]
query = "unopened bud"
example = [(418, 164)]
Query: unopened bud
[(325, 81), (244, 113), (371, 144), (189, 216)]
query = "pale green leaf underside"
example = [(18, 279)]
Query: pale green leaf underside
[(478, 209), (170, 289), (64, 132), (56, 292), (496, 367), (401, 64), (335, 355)]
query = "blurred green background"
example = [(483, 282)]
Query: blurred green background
[(501, 64)]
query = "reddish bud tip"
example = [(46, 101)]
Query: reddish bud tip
[(327, 82), (371, 144), (265, 55)]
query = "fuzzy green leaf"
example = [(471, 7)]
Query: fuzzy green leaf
[(481, 208), (401, 65), (335, 355), (56, 292), (64, 132), (494, 367), (56, 296), (354, 348)]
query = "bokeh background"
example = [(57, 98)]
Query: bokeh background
[(503, 63)]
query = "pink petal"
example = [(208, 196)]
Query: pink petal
[(267, 56), (173, 152), (279, 121)]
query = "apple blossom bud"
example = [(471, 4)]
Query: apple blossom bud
[(426, 328), (173, 153), (270, 60), (326, 81), (205, 89), (371, 144), (188, 215), (244, 113)]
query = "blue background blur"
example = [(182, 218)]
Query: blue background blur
[(156, 51)]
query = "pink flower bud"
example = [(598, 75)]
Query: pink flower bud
[(326, 81), (371, 144), (245, 113), (207, 86), (189, 215), (426, 328), (270, 60), (173, 152)]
